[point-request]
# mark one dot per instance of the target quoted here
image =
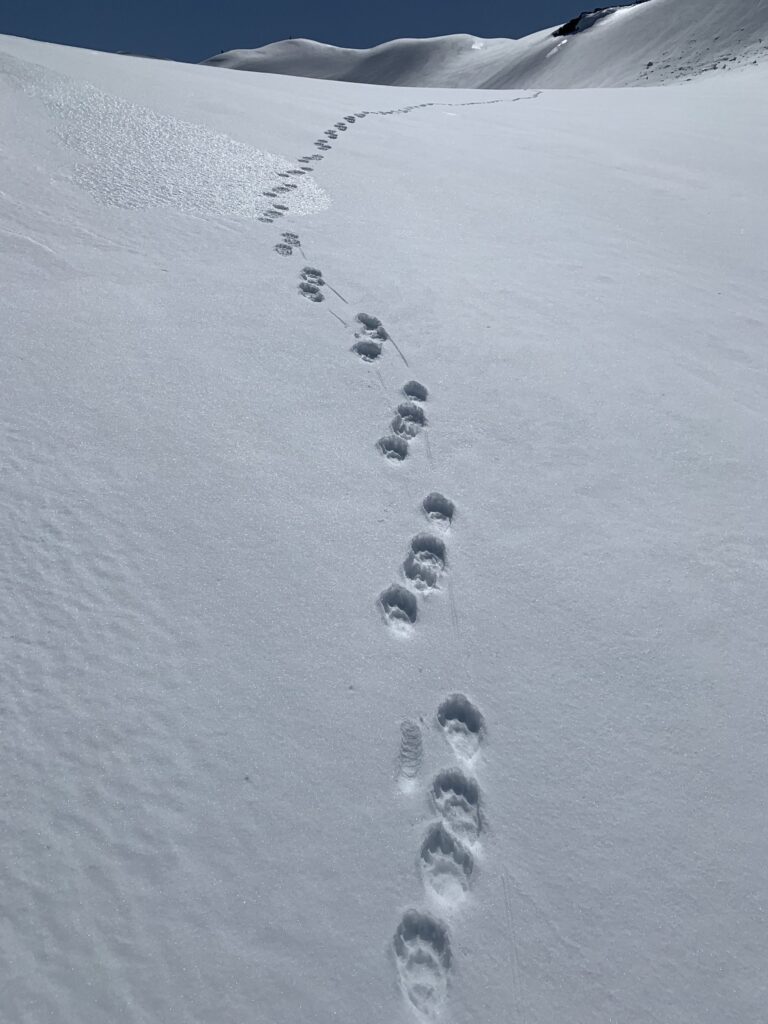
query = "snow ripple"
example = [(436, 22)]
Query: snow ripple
[(137, 158)]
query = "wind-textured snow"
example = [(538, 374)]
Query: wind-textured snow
[(138, 158), (651, 42), (383, 548)]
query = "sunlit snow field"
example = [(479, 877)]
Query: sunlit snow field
[(238, 786)]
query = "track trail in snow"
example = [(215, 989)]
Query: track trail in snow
[(451, 843)]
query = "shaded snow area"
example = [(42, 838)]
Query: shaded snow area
[(587, 19), (648, 42), (383, 548)]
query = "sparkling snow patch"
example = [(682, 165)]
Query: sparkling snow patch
[(137, 158)]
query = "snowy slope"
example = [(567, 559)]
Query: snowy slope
[(654, 42), (233, 791)]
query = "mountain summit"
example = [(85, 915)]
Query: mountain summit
[(649, 42)]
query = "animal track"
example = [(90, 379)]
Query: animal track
[(457, 799), (399, 606), (427, 545), (446, 859), (324, 145), (313, 274), (411, 752), (462, 724), (423, 956), (368, 349), (311, 291), (393, 447), (289, 242), (409, 419), (425, 562), (439, 509), (412, 389), (446, 864), (310, 284), (370, 339), (372, 323)]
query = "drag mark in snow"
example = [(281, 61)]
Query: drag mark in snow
[(513, 957), (398, 349), (423, 956), (338, 294), (342, 322)]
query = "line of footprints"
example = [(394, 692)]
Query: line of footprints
[(370, 335), (452, 841), (424, 564), (280, 191), (448, 852), (451, 844)]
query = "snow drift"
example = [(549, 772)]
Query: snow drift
[(650, 42)]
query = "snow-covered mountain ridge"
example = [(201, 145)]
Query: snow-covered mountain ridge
[(652, 42)]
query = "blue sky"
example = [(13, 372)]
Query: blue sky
[(195, 29)]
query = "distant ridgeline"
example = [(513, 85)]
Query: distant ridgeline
[(587, 19)]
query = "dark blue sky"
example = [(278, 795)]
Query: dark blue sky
[(194, 29)]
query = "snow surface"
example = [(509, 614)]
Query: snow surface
[(233, 790), (656, 41)]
